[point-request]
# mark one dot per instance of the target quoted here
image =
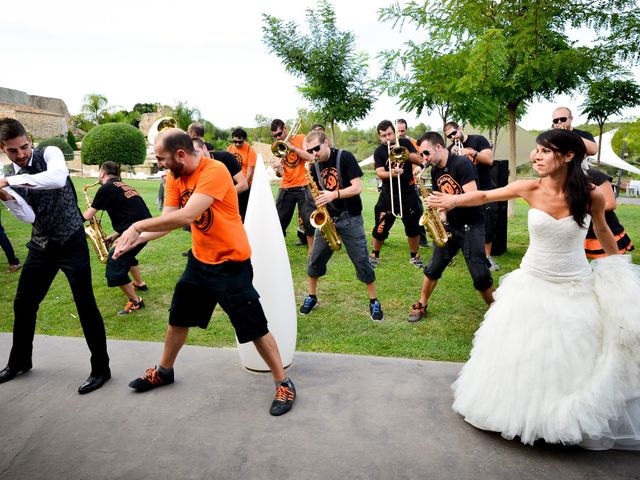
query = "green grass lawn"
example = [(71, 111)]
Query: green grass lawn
[(340, 324)]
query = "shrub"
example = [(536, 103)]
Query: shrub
[(61, 143), (71, 140), (117, 142)]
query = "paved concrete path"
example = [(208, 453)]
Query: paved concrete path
[(356, 418)]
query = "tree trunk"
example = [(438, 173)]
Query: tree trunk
[(512, 107), (601, 127), (333, 133)]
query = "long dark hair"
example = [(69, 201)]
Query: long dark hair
[(577, 186)]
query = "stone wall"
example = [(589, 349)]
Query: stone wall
[(40, 123)]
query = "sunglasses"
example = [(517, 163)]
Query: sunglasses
[(314, 149), (452, 134), (238, 142), (425, 153), (560, 119), (277, 134)]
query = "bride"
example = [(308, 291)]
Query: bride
[(557, 356)]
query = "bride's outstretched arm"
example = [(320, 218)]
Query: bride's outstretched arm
[(480, 197)]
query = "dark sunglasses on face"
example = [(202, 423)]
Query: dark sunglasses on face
[(314, 149), (238, 142), (559, 119), (452, 134), (425, 153), (277, 134)]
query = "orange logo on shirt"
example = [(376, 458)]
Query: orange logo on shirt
[(239, 158), (205, 220), (446, 184), (292, 160), (330, 178)]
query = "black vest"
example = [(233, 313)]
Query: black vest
[(58, 216)]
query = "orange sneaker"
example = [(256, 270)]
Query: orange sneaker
[(131, 306)]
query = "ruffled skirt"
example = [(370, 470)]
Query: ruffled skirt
[(559, 360)]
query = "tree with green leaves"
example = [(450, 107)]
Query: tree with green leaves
[(607, 97), (184, 115), (335, 75), (509, 51), (93, 107)]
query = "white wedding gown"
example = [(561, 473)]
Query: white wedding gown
[(557, 356)]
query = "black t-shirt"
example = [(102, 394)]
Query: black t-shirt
[(479, 143), (123, 204), (230, 161), (598, 178), (456, 173), (349, 169), (585, 135), (380, 157)]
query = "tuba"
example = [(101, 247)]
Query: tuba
[(94, 230), (430, 219), (320, 217), (162, 123)]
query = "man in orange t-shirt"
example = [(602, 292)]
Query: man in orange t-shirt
[(246, 156), (200, 192), (293, 187)]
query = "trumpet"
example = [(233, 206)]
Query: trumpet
[(280, 149), (94, 231), (430, 219), (398, 155)]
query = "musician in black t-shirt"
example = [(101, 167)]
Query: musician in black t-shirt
[(124, 205), (592, 245), (405, 197), (454, 175), (562, 119), (337, 175), (478, 149)]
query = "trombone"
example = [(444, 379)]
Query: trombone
[(398, 155), (280, 149)]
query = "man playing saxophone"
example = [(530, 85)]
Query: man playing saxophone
[(293, 187), (124, 206), (337, 175), (454, 174)]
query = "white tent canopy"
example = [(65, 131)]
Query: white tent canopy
[(610, 158)]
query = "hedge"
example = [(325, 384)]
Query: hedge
[(118, 142)]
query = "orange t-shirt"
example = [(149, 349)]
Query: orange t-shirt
[(293, 174), (217, 235), (245, 155)]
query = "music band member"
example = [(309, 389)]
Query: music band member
[(562, 119), (404, 184), (337, 175), (293, 186), (401, 124), (247, 157), (124, 205), (454, 175), (478, 149), (57, 242), (200, 192)]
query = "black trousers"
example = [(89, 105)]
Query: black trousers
[(36, 277)]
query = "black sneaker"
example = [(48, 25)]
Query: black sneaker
[(151, 379), (375, 310), (142, 286), (284, 398), (309, 304)]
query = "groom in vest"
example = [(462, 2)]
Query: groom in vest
[(57, 242)]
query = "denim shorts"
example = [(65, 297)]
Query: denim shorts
[(351, 231)]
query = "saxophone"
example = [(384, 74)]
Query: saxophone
[(430, 219), (320, 217), (94, 230)]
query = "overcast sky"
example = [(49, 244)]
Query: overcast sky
[(207, 54)]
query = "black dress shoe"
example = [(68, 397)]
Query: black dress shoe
[(9, 372), (94, 382)]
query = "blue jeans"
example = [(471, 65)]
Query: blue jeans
[(351, 231)]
